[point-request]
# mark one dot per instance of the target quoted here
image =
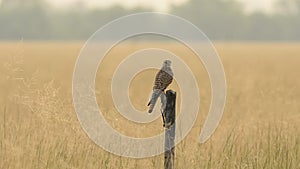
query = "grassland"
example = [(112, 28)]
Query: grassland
[(260, 128)]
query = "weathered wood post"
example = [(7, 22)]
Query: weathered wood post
[(169, 124)]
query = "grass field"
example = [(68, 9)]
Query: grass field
[(260, 128)]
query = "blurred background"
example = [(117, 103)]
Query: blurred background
[(220, 19), (258, 44)]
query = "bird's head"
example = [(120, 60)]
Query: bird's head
[(167, 63)]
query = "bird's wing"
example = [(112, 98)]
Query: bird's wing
[(162, 80)]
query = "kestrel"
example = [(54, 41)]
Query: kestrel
[(162, 80)]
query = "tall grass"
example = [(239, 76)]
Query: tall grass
[(259, 130)]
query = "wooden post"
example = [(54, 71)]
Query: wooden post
[(169, 118)]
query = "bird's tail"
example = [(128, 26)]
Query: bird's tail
[(156, 93)]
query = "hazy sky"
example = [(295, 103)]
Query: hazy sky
[(158, 5)]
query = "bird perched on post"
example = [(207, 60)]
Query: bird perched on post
[(162, 80)]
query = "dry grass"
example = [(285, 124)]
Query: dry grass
[(260, 127)]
